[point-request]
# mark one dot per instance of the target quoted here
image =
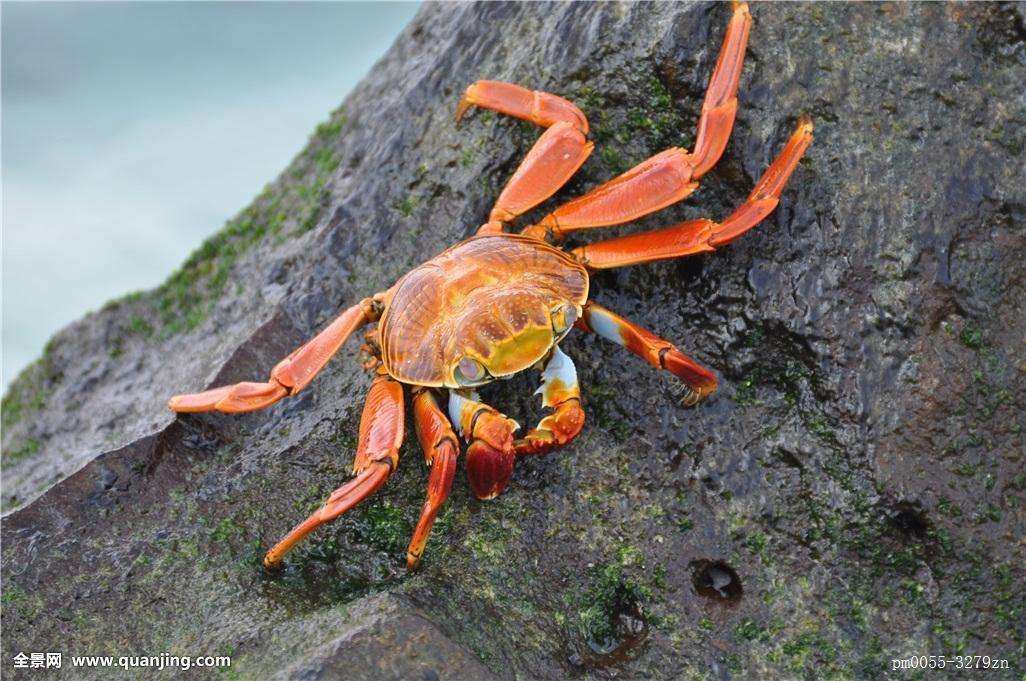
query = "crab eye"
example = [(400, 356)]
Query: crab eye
[(563, 318), (469, 371)]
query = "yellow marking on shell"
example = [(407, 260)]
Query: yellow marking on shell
[(516, 352)]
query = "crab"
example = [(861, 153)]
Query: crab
[(499, 303)]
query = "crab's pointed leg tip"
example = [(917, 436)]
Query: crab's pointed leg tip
[(271, 565), (412, 562), (461, 109), (805, 124), (188, 403)]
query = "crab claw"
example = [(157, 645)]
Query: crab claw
[(490, 455), (489, 469)]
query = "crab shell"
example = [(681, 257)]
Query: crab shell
[(486, 308)]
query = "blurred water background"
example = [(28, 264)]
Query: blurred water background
[(131, 131)]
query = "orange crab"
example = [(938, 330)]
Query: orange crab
[(499, 303)]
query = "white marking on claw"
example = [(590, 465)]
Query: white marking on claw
[(605, 327), (457, 403), (559, 368)]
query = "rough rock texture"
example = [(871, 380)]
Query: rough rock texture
[(854, 493)]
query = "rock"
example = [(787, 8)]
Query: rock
[(383, 637), (860, 471)]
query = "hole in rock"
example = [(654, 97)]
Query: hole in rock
[(716, 580)]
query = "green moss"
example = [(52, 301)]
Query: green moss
[(818, 425), (26, 396), (489, 537), (226, 530), (17, 601), (604, 401), (971, 337), (948, 508), (407, 206), (757, 542), (27, 393), (385, 527), (326, 160), (330, 129), (659, 576), (30, 447), (484, 547), (613, 590), (748, 630), (755, 337), (613, 160), (744, 394), (12, 594), (140, 326), (805, 647)]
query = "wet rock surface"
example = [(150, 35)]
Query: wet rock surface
[(853, 493)]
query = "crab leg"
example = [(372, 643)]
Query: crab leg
[(649, 186), (490, 455), (440, 451), (553, 159), (699, 381), (540, 108), (290, 376), (720, 104), (671, 175), (699, 236), (377, 454), (561, 393)]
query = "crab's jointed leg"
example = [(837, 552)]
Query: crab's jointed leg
[(540, 108), (377, 454), (561, 393), (699, 381), (290, 376), (490, 456), (699, 236), (440, 451), (671, 175), (655, 183), (720, 104), (553, 159)]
